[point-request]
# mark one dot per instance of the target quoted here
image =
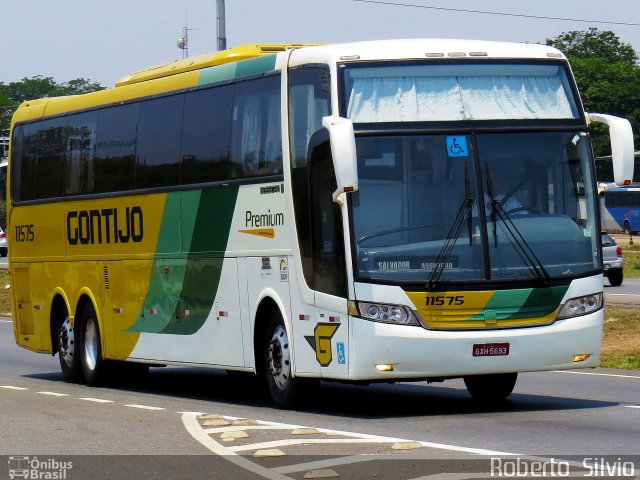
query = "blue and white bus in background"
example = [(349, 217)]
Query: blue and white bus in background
[(621, 209)]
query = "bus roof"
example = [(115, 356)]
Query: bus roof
[(185, 73), (205, 60), (425, 48)]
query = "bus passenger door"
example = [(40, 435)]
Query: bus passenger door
[(330, 339)]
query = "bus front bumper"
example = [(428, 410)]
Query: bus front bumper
[(380, 351)]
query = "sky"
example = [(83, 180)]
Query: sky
[(103, 40)]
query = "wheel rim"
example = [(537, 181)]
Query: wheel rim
[(279, 357), (90, 344), (66, 342)]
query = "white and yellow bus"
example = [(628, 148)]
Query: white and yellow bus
[(378, 211)]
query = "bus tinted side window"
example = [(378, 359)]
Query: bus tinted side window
[(309, 101), (116, 149), (206, 130), (80, 158), (21, 167), (49, 143), (255, 138), (158, 142)]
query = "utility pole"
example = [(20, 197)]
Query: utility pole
[(183, 42), (222, 36)]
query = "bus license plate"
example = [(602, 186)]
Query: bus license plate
[(490, 349)]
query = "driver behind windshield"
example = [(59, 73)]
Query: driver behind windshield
[(498, 190)]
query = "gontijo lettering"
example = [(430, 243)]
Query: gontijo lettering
[(108, 225)]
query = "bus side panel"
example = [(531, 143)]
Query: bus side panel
[(205, 326), (128, 284), (36, 231), (22, 308)]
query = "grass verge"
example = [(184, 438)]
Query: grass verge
[(621, 342), (631, 254)]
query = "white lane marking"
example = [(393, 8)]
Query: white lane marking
[(95, 400), (235, 428), (621, 294), (11, 387), (571, 372), (190, 421), (144, 407), (362, 436), (631, 406), (298, 441), (6, 321), (380, 439), (54, 394), (330, 462)]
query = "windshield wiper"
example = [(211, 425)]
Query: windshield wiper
[(517, 240), (464, 211)]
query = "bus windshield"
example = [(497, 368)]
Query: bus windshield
[(473, 208), (427, 92)]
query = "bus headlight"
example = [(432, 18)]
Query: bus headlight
[(578, 306), (380, 312)]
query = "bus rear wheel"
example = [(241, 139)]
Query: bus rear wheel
[(494, 387), (68, 351), (91, 361)]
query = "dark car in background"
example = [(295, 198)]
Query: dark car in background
[(612, 259)]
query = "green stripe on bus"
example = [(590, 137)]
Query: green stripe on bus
[(522, 303), (543, 300), (256, 66), (182, 291), (234, 70), (220, 73)]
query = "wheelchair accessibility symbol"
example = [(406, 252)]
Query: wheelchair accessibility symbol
[(457, 146)]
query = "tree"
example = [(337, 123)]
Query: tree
[(14, 93), (594, 43), (608, 77)]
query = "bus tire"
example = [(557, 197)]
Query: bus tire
[(495, 387), (68, 353), (282, 386), (91, 361)]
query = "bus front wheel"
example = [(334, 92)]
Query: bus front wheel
[(91, 361), (283, 387), (494, 387)]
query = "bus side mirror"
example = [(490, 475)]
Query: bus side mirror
[(343, 151), (621, 137)]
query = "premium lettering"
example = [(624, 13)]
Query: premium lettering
[(105, 226), (257, 220)]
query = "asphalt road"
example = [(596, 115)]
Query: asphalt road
[(585, 413), (626, 294)]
